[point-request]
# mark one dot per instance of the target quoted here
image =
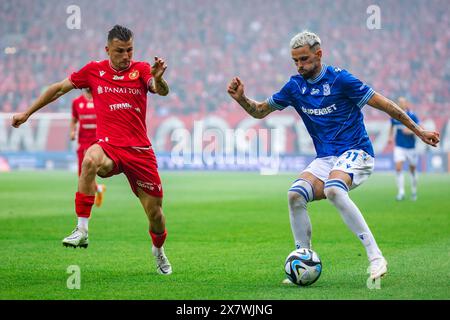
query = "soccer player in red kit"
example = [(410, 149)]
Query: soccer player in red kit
[(83, 114), (119, 88)]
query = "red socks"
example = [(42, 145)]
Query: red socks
[(158, 239), (83, 205)]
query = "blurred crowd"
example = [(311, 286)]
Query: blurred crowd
[(207, 42)]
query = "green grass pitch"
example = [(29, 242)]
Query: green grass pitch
[(228, 236)]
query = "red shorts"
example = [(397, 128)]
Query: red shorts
[(139, 166), (81, 151)]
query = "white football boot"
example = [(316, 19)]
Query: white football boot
[(400, 197), (378, 268), (162, 263), (78, 238)]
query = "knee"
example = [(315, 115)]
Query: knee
[(89, 164), (331, 193), (335, 188), (296, 199), (300, 193)]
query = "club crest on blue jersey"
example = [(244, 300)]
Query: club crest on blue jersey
[(326, 89)]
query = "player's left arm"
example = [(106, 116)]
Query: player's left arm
[(382, 103), (157, 83)]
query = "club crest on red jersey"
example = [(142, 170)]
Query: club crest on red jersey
[(133, 74)]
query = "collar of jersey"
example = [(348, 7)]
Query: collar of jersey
[(320, 76), (117, 71)]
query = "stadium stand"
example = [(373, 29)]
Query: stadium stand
[(207, 42)]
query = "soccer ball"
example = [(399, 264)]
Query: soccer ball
[(303, 267)]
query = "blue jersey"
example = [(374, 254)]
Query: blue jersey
[(330, 106), (401, 139)]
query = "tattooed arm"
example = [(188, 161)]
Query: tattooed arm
[(256, 109), (384, 104), (158, 84)]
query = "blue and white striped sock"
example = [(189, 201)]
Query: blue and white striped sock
[(336, 192), (300, 193)]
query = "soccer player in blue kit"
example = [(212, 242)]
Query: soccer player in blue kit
[(329, 100), (404, 150)]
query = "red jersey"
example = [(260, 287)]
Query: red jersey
[(83, 110), (120, 99)]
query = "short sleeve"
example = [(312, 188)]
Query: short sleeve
[(358, 92), (146, 73), (282, 99), (80, 79)]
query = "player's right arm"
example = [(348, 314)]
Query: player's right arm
[(52, 93), (256, 109)]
